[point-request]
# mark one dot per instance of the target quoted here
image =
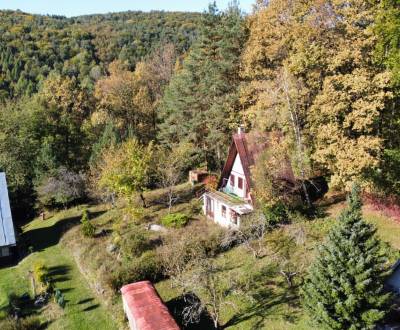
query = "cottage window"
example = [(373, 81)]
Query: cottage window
[(240, 183), (232, 180), (223, 211), (234, 218)]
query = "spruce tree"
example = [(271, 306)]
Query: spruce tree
[(344, 287), (200, 104)]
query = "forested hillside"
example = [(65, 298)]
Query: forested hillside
[(49, 67), (32, 46), (320, 78)]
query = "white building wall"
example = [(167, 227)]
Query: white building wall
[(218, 217), (237, 172)]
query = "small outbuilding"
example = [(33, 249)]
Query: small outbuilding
[(7, 233), (144, 308)]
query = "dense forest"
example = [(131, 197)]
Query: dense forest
[(321, 77), (53, 67)]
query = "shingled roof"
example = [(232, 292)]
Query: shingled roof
[(7, 234), (145, 309), (249, 146)]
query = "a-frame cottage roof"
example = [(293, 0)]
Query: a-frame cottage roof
[(7, 234), (248, 146)]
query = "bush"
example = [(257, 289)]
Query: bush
[(275, 214), (147, 267), (134, 244), (59, 298), (61, 188), (41, 276), (175, 220), (27, 323), (87, 228)]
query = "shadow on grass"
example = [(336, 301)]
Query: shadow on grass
[(59, 273), (42, 238), (269, 299), (90, 308), (84, 301), (176, 307)]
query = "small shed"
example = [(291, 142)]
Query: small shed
[(198, 176), (393, 282), (144, 308), (7, 233)]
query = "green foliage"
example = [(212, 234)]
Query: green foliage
[(176, 220), (87, 227), (125, 169), (134, 244), (59, 298), (200, 105), (386, 178), (344, 287), (81, 47), (41, 276), (32, 322), (147, 267), (275, 214)]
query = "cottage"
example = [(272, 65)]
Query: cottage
[(7, 234), (145, 309), (233, 196)]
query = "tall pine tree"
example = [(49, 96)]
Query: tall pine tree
[(200, 105), (344, 288)]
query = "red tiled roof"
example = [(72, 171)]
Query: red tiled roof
[(144, 306)]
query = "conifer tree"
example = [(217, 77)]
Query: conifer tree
[(344, 288), (200, 104)]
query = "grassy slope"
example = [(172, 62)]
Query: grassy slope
[(265, 301), (271, 304), (83, 310)]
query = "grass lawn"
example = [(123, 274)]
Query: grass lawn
[(83, 310), (263, 299)]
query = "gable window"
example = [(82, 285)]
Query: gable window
[(223, 211), (232, 180), (240, 183)]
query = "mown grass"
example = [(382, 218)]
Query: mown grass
[(83, 310)]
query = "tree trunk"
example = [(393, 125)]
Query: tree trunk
[(143, 200)]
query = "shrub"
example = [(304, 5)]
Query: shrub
[(134, 244), (41, 276), (27, 323), (195, 207), (176, 220), (59, 298), (147, 267), (62, 188), (87, 228), (275, 214)]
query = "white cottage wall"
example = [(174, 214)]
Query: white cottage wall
[(237, 172)]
